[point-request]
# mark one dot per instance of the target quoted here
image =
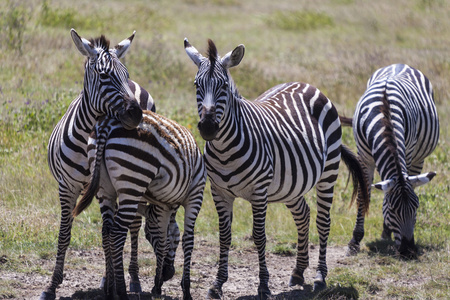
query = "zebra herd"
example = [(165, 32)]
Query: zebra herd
[(111, 144)]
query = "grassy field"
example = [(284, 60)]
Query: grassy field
[(334, 45)]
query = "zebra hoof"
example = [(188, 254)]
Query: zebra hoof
[(156, 290), (296, 278), (352, 249), (187, 296), (264, 294), (214, 293), (123, 297), (135, 287), (319, 283), (109, 297), (47, 296)]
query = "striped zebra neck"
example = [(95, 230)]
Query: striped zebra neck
[(232, 119)]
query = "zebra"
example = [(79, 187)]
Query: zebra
[(396, 126), (107, 90), (271, 150), (158, 162)]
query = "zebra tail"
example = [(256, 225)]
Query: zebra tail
[(359, 177), (91, 190), (345, 121)]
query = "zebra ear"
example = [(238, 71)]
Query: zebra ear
[(421, 179), (84, 46), (123, 46), (384, 186), (233, 58), (193, 53)]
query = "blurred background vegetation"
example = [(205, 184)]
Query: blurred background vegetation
[(334, 45)]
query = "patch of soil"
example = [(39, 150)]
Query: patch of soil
[(84, 269)]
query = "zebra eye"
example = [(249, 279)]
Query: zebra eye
[(195, 84)]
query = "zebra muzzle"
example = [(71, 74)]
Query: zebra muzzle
[(208, 128), (131, 115), (408, 249)]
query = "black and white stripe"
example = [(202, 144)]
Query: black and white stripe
[(274, 149), (396, 127), (107, 90), (160, 163)]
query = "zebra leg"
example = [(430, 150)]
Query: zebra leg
[(358, 230), (225, 211), (191, 211), (68, 200), (259, 209), (133, 269), (157, 221), (107, 210), (107, 196), (174, 240), (126, 214), (301, 214), (173, 237), (325, 189)]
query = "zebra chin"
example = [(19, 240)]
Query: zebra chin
[(131, 116), (208, 129)]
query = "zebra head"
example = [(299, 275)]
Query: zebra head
[(106, 80), (400, 208), (214, 85)]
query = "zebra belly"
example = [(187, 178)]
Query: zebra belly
[(282, 185)]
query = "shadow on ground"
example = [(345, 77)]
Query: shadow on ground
[(330, 293), (97, 294), (387, 248)]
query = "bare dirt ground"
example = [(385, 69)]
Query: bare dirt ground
[(83, 271)]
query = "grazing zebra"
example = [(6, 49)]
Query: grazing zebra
[(107, 91), (274, 149), (396, 126), (158, 162)]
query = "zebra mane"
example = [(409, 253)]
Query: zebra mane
[(212, 55), (100, 42), (390, 138)]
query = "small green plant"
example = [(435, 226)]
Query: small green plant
[(285, 249)]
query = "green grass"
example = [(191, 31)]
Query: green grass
[(334, 44)]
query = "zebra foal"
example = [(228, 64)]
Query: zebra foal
[(158, 162), (107, 90), (396, 127), (273, 149)]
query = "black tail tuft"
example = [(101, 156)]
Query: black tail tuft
[(359, 177), (91, 190)]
